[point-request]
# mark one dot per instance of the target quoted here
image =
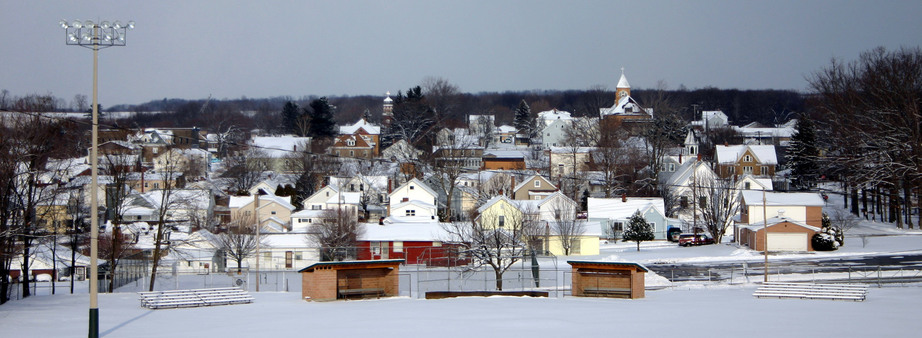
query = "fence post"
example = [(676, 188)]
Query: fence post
[(878, 276)]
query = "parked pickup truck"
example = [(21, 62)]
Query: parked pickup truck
[(692, 239)]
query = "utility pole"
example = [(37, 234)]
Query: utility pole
[(765, 234)]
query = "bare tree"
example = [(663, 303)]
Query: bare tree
[(336, 234), (167, 202), (239, 241), (443, 97), (567, 227), (80, 103), (874, 104), (492, 239), (245, 168), (717, 204)]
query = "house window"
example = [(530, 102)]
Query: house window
[(537, 198), (398, 246), (747, 158), (746, 185), (350, 143), (267, 256), (315, 207), (352, 187), (411, 212), (502, 221), (652, 226), (156, 185), (702, 202), (146, 184), (298, 255), (764, 171), (747, 170), (617, 226), (273, 212), (411, 187), (351, 153), (683, 202), (537, 184), (574, 246)]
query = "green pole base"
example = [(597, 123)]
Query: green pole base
[(94, 323)]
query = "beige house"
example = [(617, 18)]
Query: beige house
[(272, 212), (535, 187)]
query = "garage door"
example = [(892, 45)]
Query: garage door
[(787, 242)]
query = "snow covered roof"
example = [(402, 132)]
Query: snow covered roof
[(765, 154), (615, 208), (361, 124), (772, 198), (241, 201), (505, 129), (775, 220), (280, 146), (550, 116), (286, 240), (622, 82), (399, 230)]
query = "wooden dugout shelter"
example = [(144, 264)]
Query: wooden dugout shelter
[(350, 279), (608, 279)]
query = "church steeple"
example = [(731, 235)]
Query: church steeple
[(623, 89), (388, 114)]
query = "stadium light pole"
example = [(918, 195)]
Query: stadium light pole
[(95, 36)]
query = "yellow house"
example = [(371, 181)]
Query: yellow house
[(544, 224)]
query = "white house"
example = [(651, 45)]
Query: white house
[(414, 199)]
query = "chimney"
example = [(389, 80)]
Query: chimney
[(699, 156), (680, 158), (512, 188), (624, 197), (390, 184)]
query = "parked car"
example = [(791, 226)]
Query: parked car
[(693, 239)]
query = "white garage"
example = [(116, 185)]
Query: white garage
[(787, 241)]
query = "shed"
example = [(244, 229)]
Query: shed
[(350, 279), (608, 279)]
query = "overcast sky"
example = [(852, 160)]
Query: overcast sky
[(229, 49)]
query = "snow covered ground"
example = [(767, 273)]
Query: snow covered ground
[(688, 309), (704, 312)]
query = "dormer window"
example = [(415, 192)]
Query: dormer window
[(747, 158), (350, 142)]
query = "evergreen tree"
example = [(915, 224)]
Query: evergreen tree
[(322, 123), (638, 230), (523, 121), (290, 116), (802, 154)]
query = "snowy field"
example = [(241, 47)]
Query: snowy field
[(692, 309), (703, 312)]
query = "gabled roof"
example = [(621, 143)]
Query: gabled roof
[(530, 180), (369, 128), (418, 183), (359, 142), (496, 199), (764, 154)]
